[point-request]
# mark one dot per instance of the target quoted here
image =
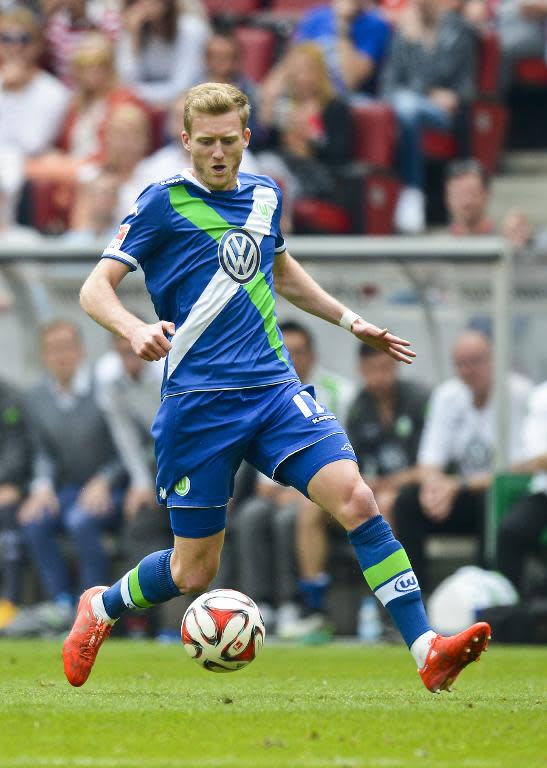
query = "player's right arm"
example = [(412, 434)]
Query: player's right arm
[(98, 298)]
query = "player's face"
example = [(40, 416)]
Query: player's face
[(216, 146)]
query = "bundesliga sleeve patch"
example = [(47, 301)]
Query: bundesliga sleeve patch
[(116, 243)]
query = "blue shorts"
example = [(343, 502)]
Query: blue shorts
[(201, 439)]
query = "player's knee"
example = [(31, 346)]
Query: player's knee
[(357, 505)]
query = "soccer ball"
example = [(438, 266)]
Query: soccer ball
[(222, 630)]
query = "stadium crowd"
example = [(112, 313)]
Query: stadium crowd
[(344, 95)]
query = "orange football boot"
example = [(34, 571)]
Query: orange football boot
[(449, 655), (82, 645)]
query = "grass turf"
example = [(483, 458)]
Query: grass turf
[(148, 705)]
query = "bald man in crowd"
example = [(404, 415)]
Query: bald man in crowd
[(456, 451)]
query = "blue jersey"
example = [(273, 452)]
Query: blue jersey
[(208, 263)]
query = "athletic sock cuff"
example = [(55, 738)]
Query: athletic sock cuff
[(369, 531)]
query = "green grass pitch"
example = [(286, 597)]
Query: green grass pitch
[(347, 706)]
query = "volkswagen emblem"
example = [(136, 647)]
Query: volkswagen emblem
[(239, 255)]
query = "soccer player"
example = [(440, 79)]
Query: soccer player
[(209, 243)]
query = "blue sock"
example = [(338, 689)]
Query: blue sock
[(388, 573), (314, 592), (150, 583)]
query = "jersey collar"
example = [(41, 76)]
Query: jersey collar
[(187, 175)]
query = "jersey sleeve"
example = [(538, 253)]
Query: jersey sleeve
[(141, 231), (279, 243)]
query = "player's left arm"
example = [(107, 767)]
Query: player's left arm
[(297, 286)]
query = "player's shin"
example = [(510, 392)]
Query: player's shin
[(149, 583), (388, 572)]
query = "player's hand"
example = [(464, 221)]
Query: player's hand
[(149, 341), (381, 339), (41, 502)]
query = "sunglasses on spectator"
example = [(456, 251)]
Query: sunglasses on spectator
[(24, 38)]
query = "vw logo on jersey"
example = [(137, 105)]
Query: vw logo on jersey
[(239, 255)]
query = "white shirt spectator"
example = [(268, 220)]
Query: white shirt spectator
[(31, 117), (164, 70), (456, 432), (534, 433)]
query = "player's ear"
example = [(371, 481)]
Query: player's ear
[(185, 138), (246, 137)]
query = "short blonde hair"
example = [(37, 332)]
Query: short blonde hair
[(215, 99)]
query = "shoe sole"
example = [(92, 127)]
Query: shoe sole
[(472, 652)]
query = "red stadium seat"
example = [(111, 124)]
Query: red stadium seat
[(439, 144), (258, 48), (374, 134), (51, 204), (488, 133), (380, 193), (532, 72), (294, 8), (489, 63), (231, 8), (312, 215)]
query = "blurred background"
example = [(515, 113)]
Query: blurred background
[(409, 138)]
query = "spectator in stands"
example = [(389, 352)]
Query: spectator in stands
[(128, 140), (353, 35), (456, 452), (67, 22), (97, 94), (310, 128), (522, 32), (16, 454), (161, 50), (384, 425), (99, 222), (223, 65), (517, 229), (467, 197), (173, 158), (429, 78), (76, 487), (26, 91), (265, 525), (521, 528)]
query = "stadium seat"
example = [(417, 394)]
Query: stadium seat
[(440, 145), (380, 193), (489, 129), (312, 215), (293, 8), (532, 72), (51, 204), (240, 8), (258, 49), (158, 118), (489, 63), (374, 133)]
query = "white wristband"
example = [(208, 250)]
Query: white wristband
[(347, 319)]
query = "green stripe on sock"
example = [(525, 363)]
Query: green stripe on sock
[(136, 592), (387, 569), (260, 294)]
